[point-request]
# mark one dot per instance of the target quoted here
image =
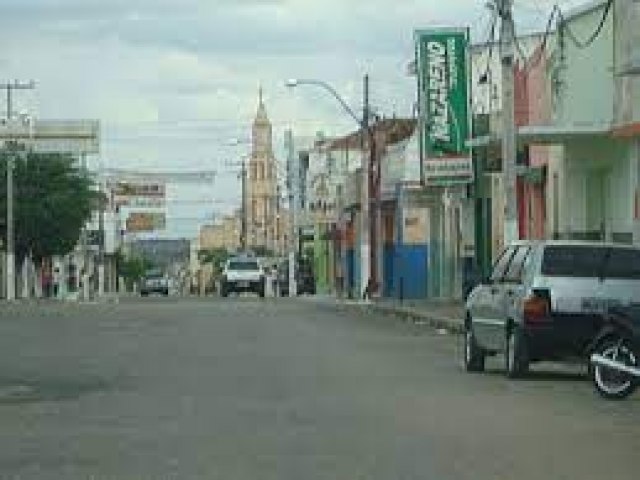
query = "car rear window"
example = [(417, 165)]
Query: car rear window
[(243, 265), (590, 261)]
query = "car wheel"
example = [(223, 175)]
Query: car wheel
[(609, 383), (516, 361), (474, 356)]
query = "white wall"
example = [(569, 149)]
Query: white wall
[(586, 94), (585, 162)]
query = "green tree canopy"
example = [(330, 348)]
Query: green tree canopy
[(215, 256), (133, 268), (53, 199)]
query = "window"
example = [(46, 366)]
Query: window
[(573, 261), (623, 263), (588, 261), (261, 172), (241, 265), (516, 267), (501, 265), (254, 171)]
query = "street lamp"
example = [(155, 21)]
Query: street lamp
[(369, 220), (294, 82)]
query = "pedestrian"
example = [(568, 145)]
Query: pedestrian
[(274, 280)]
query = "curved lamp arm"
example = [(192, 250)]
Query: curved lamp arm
[(295, 82)]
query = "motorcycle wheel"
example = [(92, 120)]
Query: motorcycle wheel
[(609, 383)]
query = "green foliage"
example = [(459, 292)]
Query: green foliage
[(52, 201), (216, 257), (132, 269)]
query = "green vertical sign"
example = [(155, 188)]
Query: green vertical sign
[(443, 92)]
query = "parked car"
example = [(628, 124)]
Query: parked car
[(242, 274), (305, 280), (154, 281), (544, 301)]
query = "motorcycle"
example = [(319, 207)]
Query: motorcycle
[(615, 354)]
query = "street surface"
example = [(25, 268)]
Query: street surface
[(244, 389)]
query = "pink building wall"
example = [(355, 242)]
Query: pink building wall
[(533, 107)]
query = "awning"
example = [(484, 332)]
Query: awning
[(547, 134)]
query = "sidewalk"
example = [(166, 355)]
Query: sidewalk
[(447, 314)]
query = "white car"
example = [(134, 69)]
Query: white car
[(242, 274), (544, 301)]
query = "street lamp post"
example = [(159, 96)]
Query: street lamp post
[(10, 241), (370, 168)]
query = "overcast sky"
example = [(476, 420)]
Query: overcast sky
[(173, 82)]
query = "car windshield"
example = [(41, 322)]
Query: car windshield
[(155, 274), (591, 261), (243, 265)]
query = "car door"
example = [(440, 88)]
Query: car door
[(485, 311), (508, 297)]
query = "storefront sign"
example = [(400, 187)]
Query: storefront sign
[(137, 194), (146, 221), (443, 91)]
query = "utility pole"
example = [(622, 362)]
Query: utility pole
[(511, 231), (243, 219), (101, 249), (10, 254), (365, 210), (292, 190)]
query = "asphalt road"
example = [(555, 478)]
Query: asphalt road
[(243, 389)]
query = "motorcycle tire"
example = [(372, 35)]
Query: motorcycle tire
[(609, 383)]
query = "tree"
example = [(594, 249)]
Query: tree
[(215, 256), (53, 199), (132, 269)]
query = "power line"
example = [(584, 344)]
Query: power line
[(596, 33), (529, 64), (491, 41)]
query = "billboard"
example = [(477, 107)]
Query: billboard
[(443, 93), (59, 136), (146, 222), (137, 194)]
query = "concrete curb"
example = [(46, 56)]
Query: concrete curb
[(416, 316), (420, 317)]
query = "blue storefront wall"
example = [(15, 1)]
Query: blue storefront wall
[(411, 271), (411, 253)]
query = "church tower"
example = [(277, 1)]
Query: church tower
[(262, 201)]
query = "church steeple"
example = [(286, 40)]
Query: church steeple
[(261, 115), (261, 128)]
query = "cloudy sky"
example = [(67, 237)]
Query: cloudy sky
[(174, 82)]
